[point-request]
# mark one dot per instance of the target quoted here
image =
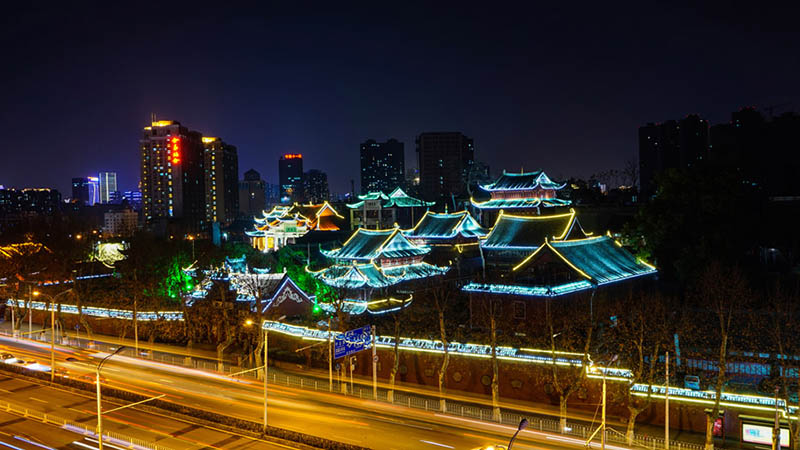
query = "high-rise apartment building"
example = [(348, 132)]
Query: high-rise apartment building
[(252, 194), (315, 186), (80, 191), (107, 182), (221, 180), (445, 160), (670, 145), (172, 178), (382, 165), (120, 222), (290, 177)]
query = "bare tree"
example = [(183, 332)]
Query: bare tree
[(720, 291), (491, 311), (442, 292), (784, 329)]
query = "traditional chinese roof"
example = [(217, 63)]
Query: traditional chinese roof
[(529, 232), (600, 259), (397, 199), (519, 203), (522, 181), (366, 245), (25, 248), (370, 275), (321, 217), (446, 225)]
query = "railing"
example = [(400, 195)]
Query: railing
[(89, 431), (428, 403)]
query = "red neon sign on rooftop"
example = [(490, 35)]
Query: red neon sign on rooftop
[(293, 156), (174, 150)]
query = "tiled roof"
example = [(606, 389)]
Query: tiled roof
[(366, 245), (522, 181), (359, 275), (512, 231), (446, 225)]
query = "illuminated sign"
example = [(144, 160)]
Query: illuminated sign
[(293, 156), (174, 150), (760, 434)]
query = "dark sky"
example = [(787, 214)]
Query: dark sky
[(559, 88)]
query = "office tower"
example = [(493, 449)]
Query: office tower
[(444, 161), (222, 180), (670, 145), (94, 190), (382, 165), (290, 177), (80, 191), (252, 194), (107, 182), (315, 186), (133, 198), (172, 178)]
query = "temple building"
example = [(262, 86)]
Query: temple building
[(451, 236), (377, 210), (523, 193), (375, 270), (283, 225), (549, 256)]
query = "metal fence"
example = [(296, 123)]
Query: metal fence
[(398, 397), (89, 431)]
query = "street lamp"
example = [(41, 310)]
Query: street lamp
[(191, 238), (522, 425), (52, 330), (99, 408)]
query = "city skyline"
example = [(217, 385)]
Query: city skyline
[(572, 113)]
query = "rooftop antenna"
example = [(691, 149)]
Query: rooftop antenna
[(152, 118)]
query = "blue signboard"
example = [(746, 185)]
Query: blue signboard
[(352, 341)]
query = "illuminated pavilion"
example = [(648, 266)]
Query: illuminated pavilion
[(523, 193), (283, 224), (374, 270), (378, 210), (551, 256)]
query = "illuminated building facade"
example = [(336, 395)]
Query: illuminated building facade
[(444, 161), (290, 177), (375, 269), (378, 210), (522, 193), (458, 228), (382, 165), (221, 168), (172, 178), (107, 186), (284, 224), (550, 256), (252, 194), (80, 191)]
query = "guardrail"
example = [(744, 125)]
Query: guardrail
[(400, 398), (51, 419)]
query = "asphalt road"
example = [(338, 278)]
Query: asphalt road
[(345, 419)]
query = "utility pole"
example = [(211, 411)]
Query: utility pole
[(666, 406), (30, 312), (374, 366)]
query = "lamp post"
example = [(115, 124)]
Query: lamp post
[(191, 238), (52, 330), (99, 408), (522, 425)]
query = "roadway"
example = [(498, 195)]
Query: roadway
[(344, 419)]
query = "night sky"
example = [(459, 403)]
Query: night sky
[(560, 89)]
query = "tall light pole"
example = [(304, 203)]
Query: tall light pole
[(330, 358), (522, 425), (191, 238), (52, 330), (266, 355), (99, 407)]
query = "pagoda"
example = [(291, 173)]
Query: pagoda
[(375, 268), (523, 193), (378, 210), (284, 224)]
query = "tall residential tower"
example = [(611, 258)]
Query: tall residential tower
[(382, 165)]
